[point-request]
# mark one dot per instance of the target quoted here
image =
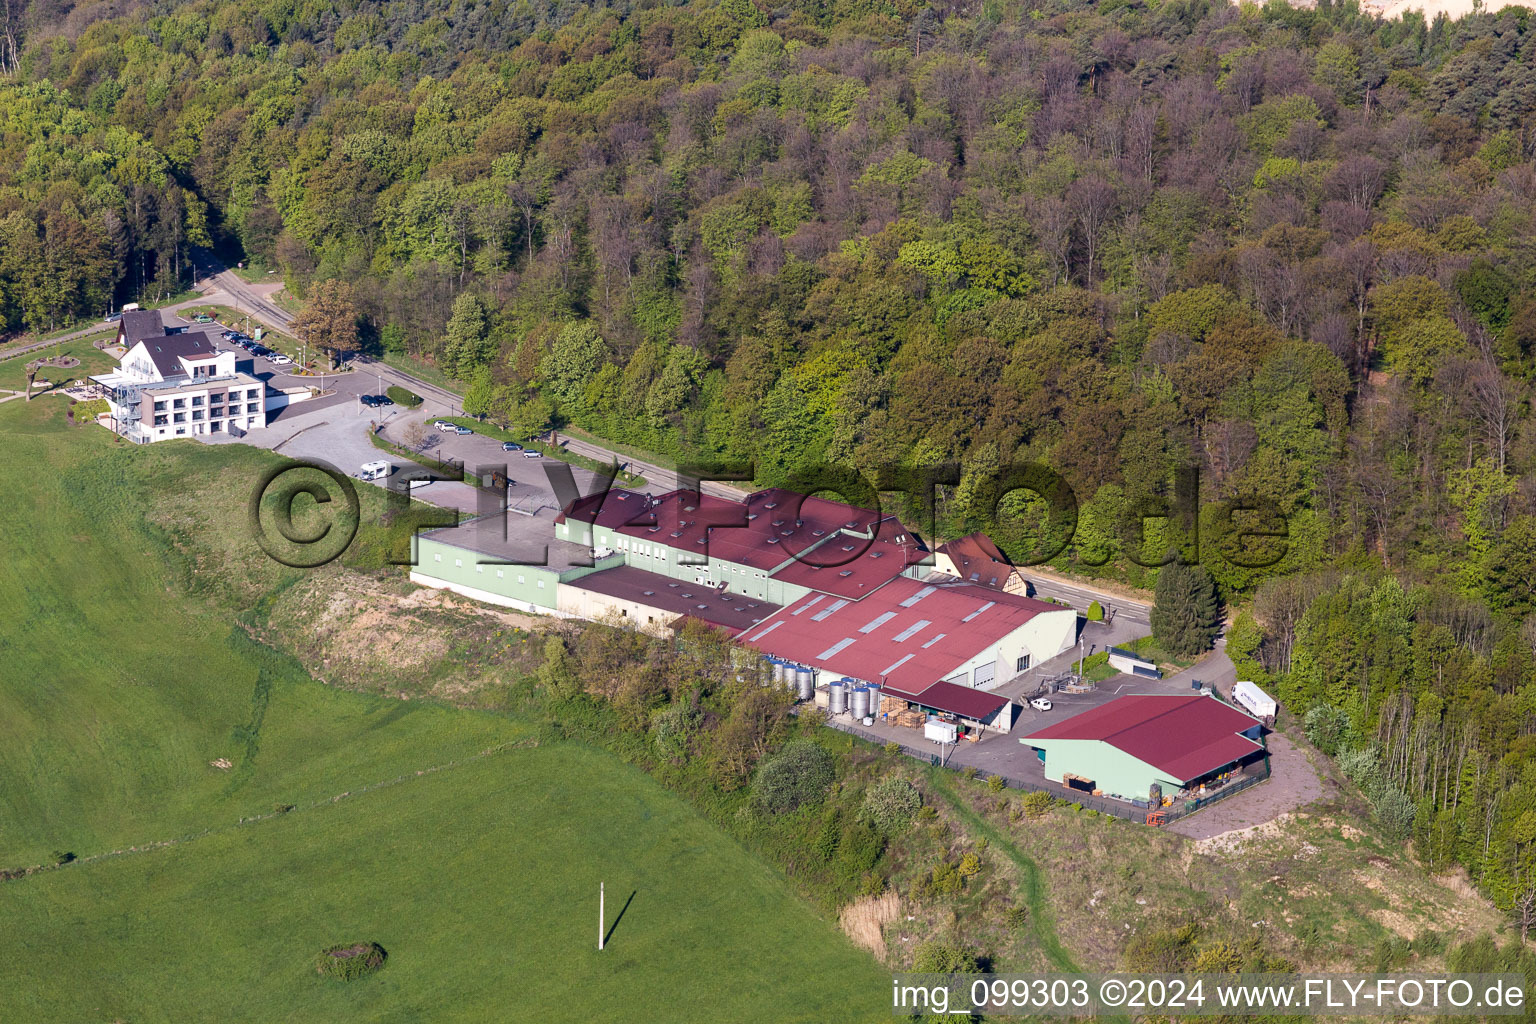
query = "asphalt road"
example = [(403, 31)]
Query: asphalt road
[(256, 299), (659, 477)]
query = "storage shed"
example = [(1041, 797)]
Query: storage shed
[(1132, 664), (1132, 743)]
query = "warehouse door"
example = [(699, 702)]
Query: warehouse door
[(986, 673)]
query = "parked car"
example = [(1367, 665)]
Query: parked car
[(260, 350), (1041, 704), (531, 454), (511, 446), (281, 360), (462, 430), (368, 400), (202, 318), (112, 318), (383, 399), (230, 335), (446, 427)]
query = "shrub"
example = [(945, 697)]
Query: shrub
[(1016, 918), (1362, 766), (1037, 803), (1326, 727), (890, 805), (893, 747), (674, 727), (350, 962), (858, 850), (1166, 951), (402, 397), (1394, 812), (945, 879), (970, 865), (828, 836), (969, 772), (1095, 612), (996, 784), (937, 958), (799, 774)]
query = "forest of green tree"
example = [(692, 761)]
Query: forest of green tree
[(1292, 248)]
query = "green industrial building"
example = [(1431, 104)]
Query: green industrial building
[(1125, 747)]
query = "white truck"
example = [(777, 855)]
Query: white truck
[(1259, 703)]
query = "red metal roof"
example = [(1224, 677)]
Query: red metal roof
[(1185, 736), (806, 540), (716, 607), (907, 634), (965, 701)]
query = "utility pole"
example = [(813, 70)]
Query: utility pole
[(600, 916)]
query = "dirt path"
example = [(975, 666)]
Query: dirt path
[(1293, 783)]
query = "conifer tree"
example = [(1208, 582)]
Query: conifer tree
[(1187, 614)]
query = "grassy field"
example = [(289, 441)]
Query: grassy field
[(478, 883), (124, 680), (13, 372)]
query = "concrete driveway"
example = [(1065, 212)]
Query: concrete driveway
[(530, 489), (1293, 783)]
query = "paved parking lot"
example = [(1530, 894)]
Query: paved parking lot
[(334, 429)]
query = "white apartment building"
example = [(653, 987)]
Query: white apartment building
[(180, 385)]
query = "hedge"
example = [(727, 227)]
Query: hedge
[(400, 396)]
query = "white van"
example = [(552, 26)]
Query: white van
[(374, 470)]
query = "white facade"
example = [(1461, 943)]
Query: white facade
[(1043, 637), (193, 394)]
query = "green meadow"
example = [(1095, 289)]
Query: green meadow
[(467, 848)]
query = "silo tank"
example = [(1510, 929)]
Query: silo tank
[(860, 702)]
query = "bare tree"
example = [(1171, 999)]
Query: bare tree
[(1092, 201), (525, 197), (10, 42), (1358, 181), (1492, 398), (1357, 261), (1053, 224), (1279, 605), (1525, 901)]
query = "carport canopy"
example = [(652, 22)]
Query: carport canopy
[(964, 701)]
